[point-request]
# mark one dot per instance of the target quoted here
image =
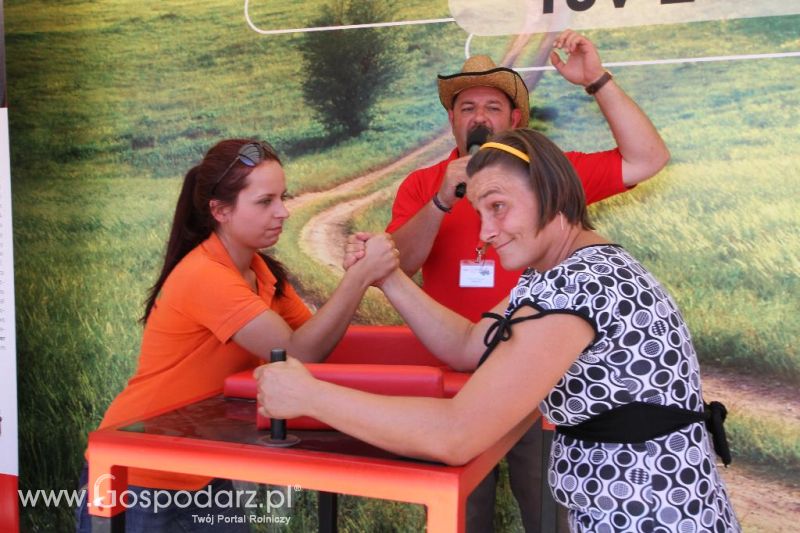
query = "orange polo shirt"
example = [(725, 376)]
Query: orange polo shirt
[(187, 350)]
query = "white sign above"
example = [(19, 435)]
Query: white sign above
[(512, 17)]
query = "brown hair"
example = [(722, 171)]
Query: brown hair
[(219, 176), (551, 176)]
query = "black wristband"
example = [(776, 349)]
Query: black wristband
[(438, 203), (598, 83)]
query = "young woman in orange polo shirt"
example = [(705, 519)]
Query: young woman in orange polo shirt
[(219, 305)]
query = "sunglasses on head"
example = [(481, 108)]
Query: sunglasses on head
[(250, 154)]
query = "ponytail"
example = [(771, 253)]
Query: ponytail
[(280, 273), (190, 227)]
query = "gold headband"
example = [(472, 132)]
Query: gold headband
[(506, 148)]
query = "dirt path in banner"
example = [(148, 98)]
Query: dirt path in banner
[(762, 502), (323, 237)]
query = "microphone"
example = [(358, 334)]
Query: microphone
[(475, 139)]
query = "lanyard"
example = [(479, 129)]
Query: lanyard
[(480, 250)]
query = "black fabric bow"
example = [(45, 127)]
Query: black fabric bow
[(500, 330), (715, 415)]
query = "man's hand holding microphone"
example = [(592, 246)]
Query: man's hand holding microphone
[(453, 186)]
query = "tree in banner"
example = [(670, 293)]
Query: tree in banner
[(348, 70)]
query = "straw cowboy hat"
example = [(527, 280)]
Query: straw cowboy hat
[(481, 71)]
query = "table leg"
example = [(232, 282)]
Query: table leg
[(328, 512), (447, 516), (115, 524), (106, 484), (549, 521)]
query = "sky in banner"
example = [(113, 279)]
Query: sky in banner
[(510, 17)]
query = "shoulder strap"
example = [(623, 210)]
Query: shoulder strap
[(501, 329)]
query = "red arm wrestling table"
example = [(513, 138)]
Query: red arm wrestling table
[(217, 437)]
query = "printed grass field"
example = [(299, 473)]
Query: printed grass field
[(110, 102)]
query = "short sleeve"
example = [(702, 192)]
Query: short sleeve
[(417, 190), (409, 200), (600, 173), (291, 307), (224, 305), (560, 290)]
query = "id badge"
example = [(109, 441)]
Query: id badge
[(476, 273)]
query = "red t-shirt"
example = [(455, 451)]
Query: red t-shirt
[(601, 176)]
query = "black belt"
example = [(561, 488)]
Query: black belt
[(637, 422)]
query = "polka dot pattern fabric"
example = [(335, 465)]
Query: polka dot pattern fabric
[(642, 351)]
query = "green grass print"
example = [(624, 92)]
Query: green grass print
[(111, 102)]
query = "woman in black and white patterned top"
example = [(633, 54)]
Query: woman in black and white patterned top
[(642, 352), (588, 335)]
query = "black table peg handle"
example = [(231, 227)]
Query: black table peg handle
[(277, 426), (276, 355)]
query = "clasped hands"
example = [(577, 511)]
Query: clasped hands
[(378, 250)]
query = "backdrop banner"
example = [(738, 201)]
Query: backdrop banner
[(113, 101)]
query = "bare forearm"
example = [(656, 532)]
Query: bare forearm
[(415, 238), (643, 150), (415, 427), (315, 339), (449, 336)]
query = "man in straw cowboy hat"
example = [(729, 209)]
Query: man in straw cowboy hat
[(437, 232)]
